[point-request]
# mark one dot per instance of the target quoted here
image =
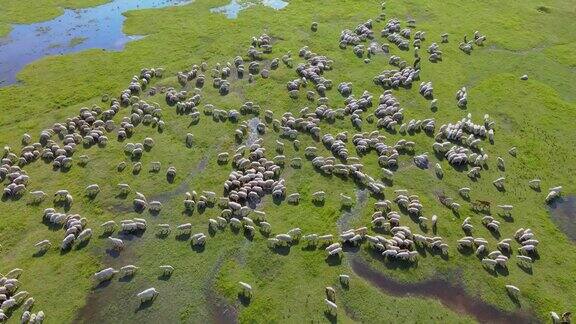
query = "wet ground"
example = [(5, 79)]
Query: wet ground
[(232, 9), (348, 215), (450, 295), (563, 213), (73, 31), (220, 310)]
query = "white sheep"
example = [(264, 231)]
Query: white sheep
[(148, 294)]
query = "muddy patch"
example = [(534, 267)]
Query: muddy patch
[(100, 295), (349, 214), (185, 185), (563, 213), (220, 310), (450, 295), (253, 134)]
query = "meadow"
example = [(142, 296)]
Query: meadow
[(533, 37)]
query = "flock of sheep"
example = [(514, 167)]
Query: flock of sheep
[(257, 172)]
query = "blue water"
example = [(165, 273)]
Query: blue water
[(232, 9), (74, 31)]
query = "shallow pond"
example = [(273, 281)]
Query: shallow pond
[(73, 31), (449, 294), (563, 212), (232, 9)]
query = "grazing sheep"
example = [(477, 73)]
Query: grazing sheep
[(128, 270), (344, 279), (104, 275), (513, 291), (108, 226), (331, 307), (167, 270), (148, 294), (246, 289), (43, 246), (184, 229), (117, 244)]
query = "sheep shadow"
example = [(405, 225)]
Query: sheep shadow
[(105, 235), (308, 247), (162, 235), (164, 276), (102, 285), (122, 195), (113, 253), (331, 317), (170, 178), (144, 305), (198, 248), (282, 250), (82, 245), (127, 278), (495, 234), (526, 269), (182, 237), (244, 300), (333, 260), (503, 271), (39, 254)]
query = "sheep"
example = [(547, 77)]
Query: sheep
[(163, 229), (117, 244), (534, 184), (104, 275), (513, 291), (155, 166), (28, 304), (128, 270), (245, 289), (38, 196), (293, 198), (166, 270), (330, 294), (184, 229), (124, 188), (84, 236), (92, 190), (332, 308), (148, 294), (67, 242), (108, 226), (42, 246), (14, 273), (198, 239), (344, 279), (464, 192)]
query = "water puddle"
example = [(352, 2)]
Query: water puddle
[(74, 31), (253, 134), (563, 212), (232, 9), (450, 295), (350, 214)]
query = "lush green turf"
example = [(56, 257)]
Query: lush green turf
[(25, 12), (535, 116)]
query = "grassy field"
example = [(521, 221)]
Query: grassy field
[(536, 116)]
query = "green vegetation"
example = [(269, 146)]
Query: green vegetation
[(535, 115), (76, 41), (25, 12)]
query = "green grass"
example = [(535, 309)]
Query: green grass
[(534, 115), (76, 41)]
